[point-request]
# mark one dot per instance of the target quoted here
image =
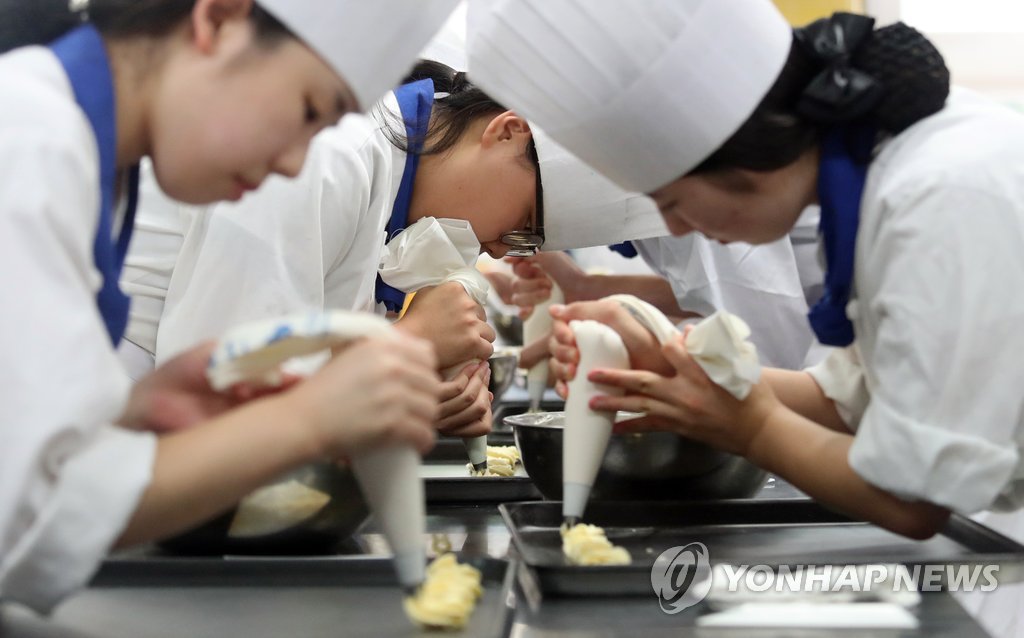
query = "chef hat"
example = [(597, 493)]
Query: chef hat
[(641, 90), (448, 46), (370, 43), (583, 208)]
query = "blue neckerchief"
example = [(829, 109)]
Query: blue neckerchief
[(843, 169), (84, 58), (414, 101), (626, 249)]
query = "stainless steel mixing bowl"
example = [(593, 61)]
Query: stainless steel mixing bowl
[(650, 465), (323, 532)]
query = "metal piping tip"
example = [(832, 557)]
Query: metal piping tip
[(480, 467), (571, 521), (411, 590)]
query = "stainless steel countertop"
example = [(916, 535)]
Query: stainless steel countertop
[(473, 531)]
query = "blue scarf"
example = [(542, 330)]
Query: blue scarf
[(845, 154), (414, 101), (84, 58)]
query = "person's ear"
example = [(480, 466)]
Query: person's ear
[(208, 16), (506, 127)]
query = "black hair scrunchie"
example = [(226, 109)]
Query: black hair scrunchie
[(840, 92)]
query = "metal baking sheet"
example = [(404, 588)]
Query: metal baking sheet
[(452, 449), (743, 531), (451, 483), (271, 597)]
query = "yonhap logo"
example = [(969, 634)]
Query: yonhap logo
[(681, 577)]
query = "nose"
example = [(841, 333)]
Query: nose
[(289, 163)]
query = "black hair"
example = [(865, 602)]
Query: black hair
[(914, 84), (458, 103), (26, 22)]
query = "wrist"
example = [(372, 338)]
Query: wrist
[(766, 421), (294, 407)]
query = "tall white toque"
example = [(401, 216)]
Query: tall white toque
[(642, 90), (584, 208), (372, 44)]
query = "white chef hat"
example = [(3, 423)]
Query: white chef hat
[(642, 90), (370, 43), (583, 208)]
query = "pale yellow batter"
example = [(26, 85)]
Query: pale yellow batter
[(501, 461), (448, 595), (587, 545)]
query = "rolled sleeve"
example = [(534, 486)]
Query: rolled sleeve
[(99, 489), (954, 469), (841, 378)]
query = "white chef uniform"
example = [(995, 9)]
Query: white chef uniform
[(761, 284), (69, 479), (294, 245), (933, 382)]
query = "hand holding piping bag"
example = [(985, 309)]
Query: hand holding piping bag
[(710, 391), (434, 251)]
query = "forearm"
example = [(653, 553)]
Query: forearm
[(799, 392), (815, 460), (202, 471)]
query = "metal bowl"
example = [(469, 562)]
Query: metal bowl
[(503, 372), (650, 465), (323, 532), (508, 326)]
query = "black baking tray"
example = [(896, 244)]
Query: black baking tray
[(741, 531), (462, 489), (256, 597)]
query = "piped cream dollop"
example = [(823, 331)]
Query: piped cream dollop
[(586, 544), (447, 597), (501, 461)]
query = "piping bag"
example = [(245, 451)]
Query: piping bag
[(535, 327), (429, 253), (719, 344), (257, 352)]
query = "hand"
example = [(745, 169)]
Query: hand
[(687, 402), (534, 277), (378, 391), (502, 284), (177, 395), (448, 317), (644, 351), (466, 403)]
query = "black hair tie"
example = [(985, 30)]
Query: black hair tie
[(459, 82), (839, 93)]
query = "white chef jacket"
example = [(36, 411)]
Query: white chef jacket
[(69, 479), (293, 245), (934, 383), (761, 284)]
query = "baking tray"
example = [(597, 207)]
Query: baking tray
[(272, 597), (451, 483), (741, 531), (451, 449)]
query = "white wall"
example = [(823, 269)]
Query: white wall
[(981, 40)]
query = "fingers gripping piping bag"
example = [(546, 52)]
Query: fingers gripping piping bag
[(389, 476), (429, 253), (719, 344), (587, 431), (535, 327)]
